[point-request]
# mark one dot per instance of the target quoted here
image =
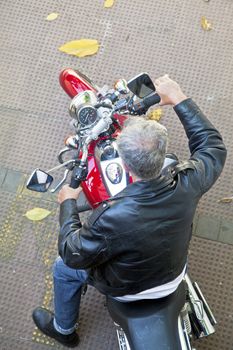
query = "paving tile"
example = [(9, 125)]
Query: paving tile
[(207, 227), (13, 181), (3, 172), (22, 344), (226, 232), (21, 291)]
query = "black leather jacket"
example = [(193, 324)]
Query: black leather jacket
[(140, 238)]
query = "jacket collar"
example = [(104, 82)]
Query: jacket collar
[(142, 187)]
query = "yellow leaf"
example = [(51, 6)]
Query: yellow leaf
[(206, 25), (226, 200), (37, 214), (108, 3), (80, 48), (52, 16), (156, 114)]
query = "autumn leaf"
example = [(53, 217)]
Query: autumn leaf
[(156, 114), (108, 3), (52, 16), (80, 48), (226, 200), (37, 214), (206, 25)]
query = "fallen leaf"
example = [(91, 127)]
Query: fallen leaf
[(226, 200), (108, 3), (206, 25), (37, 214), (52, 16), (156, 114), (80, 48)]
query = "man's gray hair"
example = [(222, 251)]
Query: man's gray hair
[(142, 146)]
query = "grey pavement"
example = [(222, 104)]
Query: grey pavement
[(159, 37)]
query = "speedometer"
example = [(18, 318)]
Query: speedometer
[(87, 115)]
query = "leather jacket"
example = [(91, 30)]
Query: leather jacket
[(139, 239)]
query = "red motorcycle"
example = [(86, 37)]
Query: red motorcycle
[(98, 116)]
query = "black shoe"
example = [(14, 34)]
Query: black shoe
[(44, 321)]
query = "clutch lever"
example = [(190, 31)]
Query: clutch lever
[(61, 182), (70, 164)]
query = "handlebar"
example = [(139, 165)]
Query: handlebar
[(79, 174), (74, 182), (151, 100), (142, 106)]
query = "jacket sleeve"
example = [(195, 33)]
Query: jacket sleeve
[(80, 246), (208, 152)]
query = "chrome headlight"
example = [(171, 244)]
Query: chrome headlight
[(84, 98)]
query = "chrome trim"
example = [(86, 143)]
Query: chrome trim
[(122, 339), (183, 335), (61, 182), (61, 165), (206, 306), (85, 97), (199, 310), (112, 189)]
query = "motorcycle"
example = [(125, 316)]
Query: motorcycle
[(98, 115)]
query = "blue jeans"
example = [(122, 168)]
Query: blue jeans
[(67, 295)]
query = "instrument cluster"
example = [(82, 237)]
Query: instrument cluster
[(87, 115)]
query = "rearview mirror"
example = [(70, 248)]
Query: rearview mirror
[(39, 181), (141, 85)]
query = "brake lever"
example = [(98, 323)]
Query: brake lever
[(61, 182), (62, 152), (71, 162)]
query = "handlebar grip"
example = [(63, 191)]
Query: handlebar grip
[(74, 183), (151, 100)]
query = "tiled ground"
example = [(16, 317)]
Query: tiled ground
[(163, 36)]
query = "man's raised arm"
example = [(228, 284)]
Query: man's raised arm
[(207, 149)]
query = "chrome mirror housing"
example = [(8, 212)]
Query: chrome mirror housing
[(39, 181)]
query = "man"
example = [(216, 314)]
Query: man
[(135, 245)]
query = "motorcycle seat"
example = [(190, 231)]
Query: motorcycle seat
[(150, 324)]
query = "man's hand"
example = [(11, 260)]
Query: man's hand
[(169, 91), (68, 193)]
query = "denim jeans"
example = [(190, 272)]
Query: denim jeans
[(67, 295)]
